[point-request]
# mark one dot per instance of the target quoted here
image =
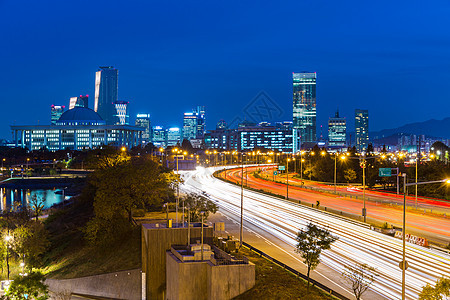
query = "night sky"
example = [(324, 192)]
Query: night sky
[(390, 57)]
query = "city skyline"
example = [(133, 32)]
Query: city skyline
[(218, 55)]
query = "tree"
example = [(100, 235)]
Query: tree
[(349, 175), (31, 286), (360, 276), (198, 203), (30, 242), (37, 205), (310, 243), (440, 291)]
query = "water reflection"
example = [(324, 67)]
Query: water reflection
[(17, 197)]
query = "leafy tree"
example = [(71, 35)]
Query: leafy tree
[(349, 175), (37, 205), (120, 188), (198, 203), (360, 276), (31, 286), (440, 291), (30, 242), (310, 243)]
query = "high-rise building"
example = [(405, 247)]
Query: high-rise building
[(106, 93), (121, 113), (81, 101), (194, 124), (362, 129), (143, 120), (304, 108), (56, 112), (173, 136), (337, 131), (159, 136)]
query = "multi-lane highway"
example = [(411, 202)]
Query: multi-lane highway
[(434, 227), (279, 221)]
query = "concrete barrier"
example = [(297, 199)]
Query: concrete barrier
[(117, 285)]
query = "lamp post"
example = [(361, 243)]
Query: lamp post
[(7, 239), (403, 264), (364, 212), (3, 160), (301, 165), (287, 178), (241, 233)]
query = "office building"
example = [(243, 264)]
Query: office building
[(143, 121), (121, 113), (77, 129), (267, 136), (337, 131), (81, 101), (304, 108), (362, 129), (221, 138), (56, 112), (159, 136), (173, 136), (106, 93), (194, 124)]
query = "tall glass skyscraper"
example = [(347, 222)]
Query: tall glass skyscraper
[(57, 111), (82, 101), (106, 90), (362, 129), (121, 113), (304, 108)]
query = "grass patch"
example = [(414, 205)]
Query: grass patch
[(273, 282), (69, 254)]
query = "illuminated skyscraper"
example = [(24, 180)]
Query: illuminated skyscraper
[(159, 136), (121, 113), (143, 120), (337, 128), (201, 120), (304, 108), (173, 136), (194, 124), (57, 111), (81, 101), (106, 90), (362, 129)]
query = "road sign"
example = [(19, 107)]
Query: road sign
[(384, 172), (281, 168), (400, 265), (275, 173)]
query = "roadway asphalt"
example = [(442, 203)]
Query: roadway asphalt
[(272, 225), (436, 228)]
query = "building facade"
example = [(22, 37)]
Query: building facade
[(159, 136), (121, 115), (143, 121), (194, 124), (106, 93), (337, 131), (56, 112), (173, 136), (264, 135), (304, 108), (362, 129), (77, 129), (81, 101)]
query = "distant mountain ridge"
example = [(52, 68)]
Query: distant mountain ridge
[(430, 128)]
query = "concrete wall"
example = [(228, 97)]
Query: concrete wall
[(202, 280), (229, 281), (186, 281), (117, 285), (155, 243)]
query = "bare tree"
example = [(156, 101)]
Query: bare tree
[(37, 205), (360, 276)]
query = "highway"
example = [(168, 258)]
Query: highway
[(433, 227), (279, 220)]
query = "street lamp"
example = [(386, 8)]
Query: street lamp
[(287, 178), (403, 264), (242, 201), (335, 169), (7, 239)]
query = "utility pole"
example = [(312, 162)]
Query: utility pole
[(242, 201), (287, 179), (404, 237)]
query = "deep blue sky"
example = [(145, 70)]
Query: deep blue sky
[(391, 57)]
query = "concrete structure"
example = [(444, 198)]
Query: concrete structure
[(215, 277), (156, 240), (117, 285), (304, 108)]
